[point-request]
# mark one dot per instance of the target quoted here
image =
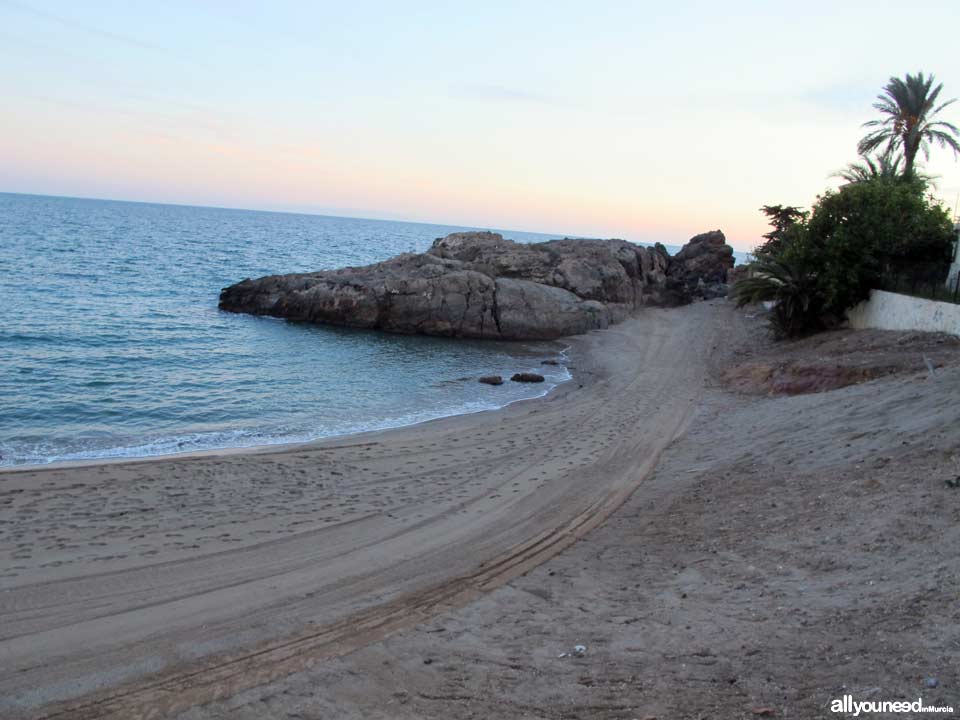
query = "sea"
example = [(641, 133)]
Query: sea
[(112, 345)]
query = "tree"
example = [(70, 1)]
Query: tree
[(785, 221), (909, 108), (884, 165)]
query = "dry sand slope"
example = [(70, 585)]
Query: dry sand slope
[(139, 589)]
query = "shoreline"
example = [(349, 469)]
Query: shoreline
[(292, 446), (151, 568)]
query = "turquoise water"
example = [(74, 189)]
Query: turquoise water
[(111, 343)]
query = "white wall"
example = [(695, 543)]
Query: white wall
[(954, 275), (892, 311)]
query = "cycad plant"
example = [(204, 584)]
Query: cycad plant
[(909, 107), (791, 285)]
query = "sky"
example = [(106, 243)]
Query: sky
[(646, 121)]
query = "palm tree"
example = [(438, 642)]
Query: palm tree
[(909, 107), (885, 165)]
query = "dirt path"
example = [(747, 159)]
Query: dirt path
[(142, 589)]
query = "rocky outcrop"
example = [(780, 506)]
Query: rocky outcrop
[(700, 269), (479, 285)]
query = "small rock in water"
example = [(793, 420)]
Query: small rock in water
[(491, 380), (549, 362), (527, 377), (931, 682)]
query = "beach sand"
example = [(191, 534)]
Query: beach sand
[(201, 576), (786, 550)]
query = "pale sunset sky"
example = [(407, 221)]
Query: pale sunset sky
[(647, 121)]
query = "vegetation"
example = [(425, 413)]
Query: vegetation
[(886, 165), (909, 107), (785, 221), (816, 265), (789, 284), (865, 231)]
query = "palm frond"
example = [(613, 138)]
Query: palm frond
[(946, 140), (788, 284), (944, 124), (873, 140), (885, 165), (948, 103)]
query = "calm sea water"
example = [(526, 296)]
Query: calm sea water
[(111, 343)]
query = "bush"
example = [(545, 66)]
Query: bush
[(866, 229), (821, 266)]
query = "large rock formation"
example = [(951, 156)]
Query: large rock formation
[(479, 285), (700, 269)]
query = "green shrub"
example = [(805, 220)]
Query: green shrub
[(866, 229), (820, 266)]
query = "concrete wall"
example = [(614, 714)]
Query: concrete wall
[(892, 311), (954, 275)]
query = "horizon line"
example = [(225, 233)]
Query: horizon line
[(306, 213), (348, 217)]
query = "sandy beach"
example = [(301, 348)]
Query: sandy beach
[(423, 362), (743, 535), (138, 585), (788, 550)]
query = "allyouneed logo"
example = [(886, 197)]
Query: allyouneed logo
[(848, 705)]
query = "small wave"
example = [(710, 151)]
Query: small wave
[(241, 439)]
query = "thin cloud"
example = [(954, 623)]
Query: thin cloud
[(73, 24)]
